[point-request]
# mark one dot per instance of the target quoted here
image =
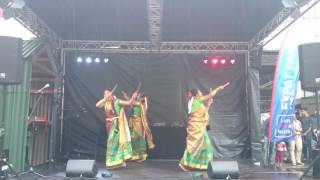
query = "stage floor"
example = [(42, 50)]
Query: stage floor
[(169, 170)]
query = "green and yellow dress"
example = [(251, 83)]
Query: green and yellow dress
[(199, 150), (140, 133), (119, 147)]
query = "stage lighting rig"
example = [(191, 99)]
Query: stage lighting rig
[(217, 61), (91, 58)]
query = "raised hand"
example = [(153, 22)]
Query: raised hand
[(125, 95), (225, 85)]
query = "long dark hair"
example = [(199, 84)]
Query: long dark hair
[(194, 92)]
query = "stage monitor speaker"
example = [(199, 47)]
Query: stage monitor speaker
[(223, 169), (81, 168), (309, 59), (10, 59)]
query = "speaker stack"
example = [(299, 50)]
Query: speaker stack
[(10, 60), (309, 60)]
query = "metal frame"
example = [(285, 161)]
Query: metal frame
[(279, 23), (154, 8), (147, 47), (33, 23)]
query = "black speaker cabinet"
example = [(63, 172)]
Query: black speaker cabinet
[(10, 59), (223, 170), (81, 168), (309, 60)]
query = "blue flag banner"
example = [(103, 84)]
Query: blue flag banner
[(282, 110), (284, 90)]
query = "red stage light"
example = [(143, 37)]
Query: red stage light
[(223, 61), (214, 61), (205, 61), (232, 61)]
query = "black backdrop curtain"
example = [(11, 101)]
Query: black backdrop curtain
[(165, 80)]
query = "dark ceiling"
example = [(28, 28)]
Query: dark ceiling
[(183, 20)]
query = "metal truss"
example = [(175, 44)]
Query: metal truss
[(280, 22), (155, 17), (199, 47), (146, 47), (33, 23)]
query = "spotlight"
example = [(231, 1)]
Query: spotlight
[(106, 60), (89, 60), (97, 60), (232, 61), (16, 4), (214, 61), (205, 61), (79, 60), (223, 61), (289, 3)]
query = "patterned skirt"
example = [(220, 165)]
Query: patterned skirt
[(115, 154), (201, 159), (139, 146)]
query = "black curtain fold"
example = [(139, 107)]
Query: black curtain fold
[(256, 126)]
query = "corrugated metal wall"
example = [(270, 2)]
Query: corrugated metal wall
[(14, 112), (38, 134)]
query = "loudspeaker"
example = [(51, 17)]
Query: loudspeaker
[(309, 60), (81, 168), (10, 59), (223, 170)]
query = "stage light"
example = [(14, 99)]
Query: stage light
[(89, 60), (232, 61), (289, 3), (222, 61), (79, 60), (106, 60), (214, 61), (97, 60), (205, 61), (16, 4)]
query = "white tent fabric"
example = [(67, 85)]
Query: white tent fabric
[(307, 26), (13, 28)]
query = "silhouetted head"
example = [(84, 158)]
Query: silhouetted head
[(196, 92), (108, 95)]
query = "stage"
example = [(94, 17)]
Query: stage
[(169, 170)]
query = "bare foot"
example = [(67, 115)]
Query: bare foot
[(183, 168), (141, 160)]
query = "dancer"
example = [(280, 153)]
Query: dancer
[(107, 102), (119, 147), (199, 151), (140, 132)]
